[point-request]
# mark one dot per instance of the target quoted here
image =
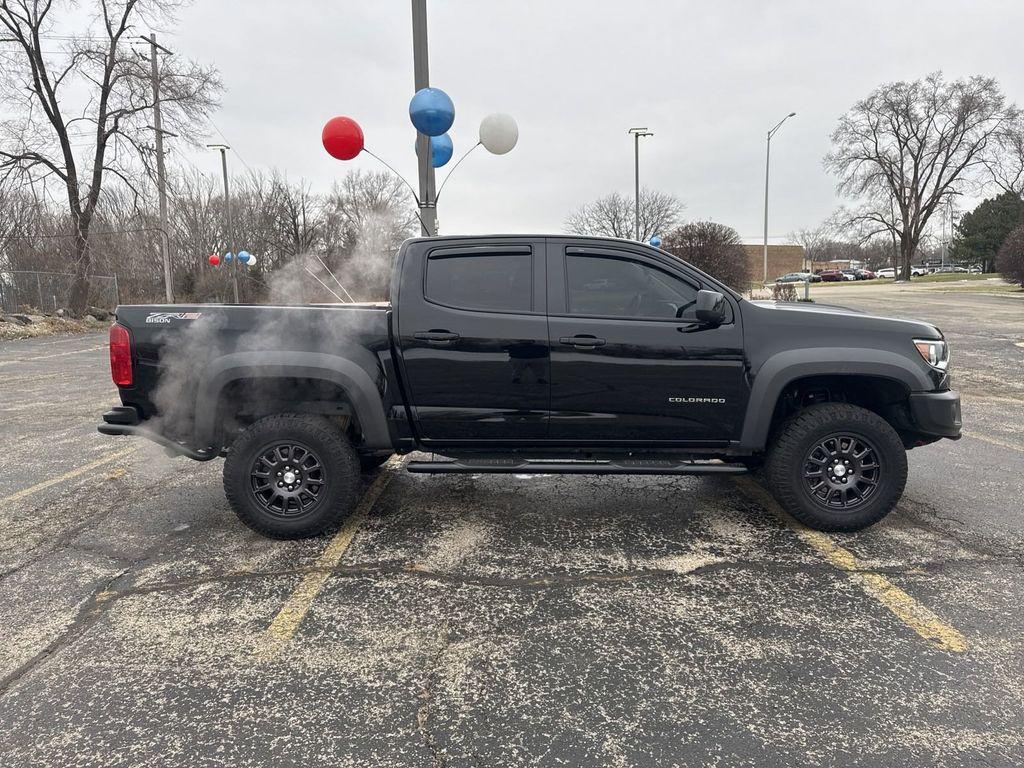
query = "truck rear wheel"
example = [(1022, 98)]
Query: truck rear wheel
[(836, 467), (291, 476)]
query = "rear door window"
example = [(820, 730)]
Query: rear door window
[(490, 282)]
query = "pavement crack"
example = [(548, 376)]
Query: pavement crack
[(90, 612), (928, 517), (543, 581), (426, 695), (98, 602)]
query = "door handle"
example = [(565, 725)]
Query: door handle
[(441, 337), (582, 341)]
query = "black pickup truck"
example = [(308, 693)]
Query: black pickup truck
[(535, 354)]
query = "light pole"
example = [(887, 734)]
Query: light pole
[(223, 149), (767, 157), (637, 133), (161, 177), (421, 77)]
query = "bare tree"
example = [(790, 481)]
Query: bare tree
[(914, 143), (613, 215), (299, 217), (1006, 165), (368, 217), (875, 218), (714, 248), (81, 104), (812, 240)]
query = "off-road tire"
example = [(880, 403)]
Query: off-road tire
[(369, 463), (787, 461), (330, 490)]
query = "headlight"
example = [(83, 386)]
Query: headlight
[(934, 352)]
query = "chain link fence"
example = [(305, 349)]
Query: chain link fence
[(21, 291)]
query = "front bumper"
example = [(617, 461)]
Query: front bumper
[(937, 413)]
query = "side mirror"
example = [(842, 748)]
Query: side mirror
[(710, 308)]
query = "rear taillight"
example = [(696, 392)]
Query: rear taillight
[(120, 355)]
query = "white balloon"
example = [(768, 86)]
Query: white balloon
[(499, 133), (252, 261)]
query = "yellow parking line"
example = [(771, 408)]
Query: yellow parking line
[(294, 610), (994, 441), (48, 357), (113, 456), (903, 606)]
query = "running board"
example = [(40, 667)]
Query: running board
[(537, 467)]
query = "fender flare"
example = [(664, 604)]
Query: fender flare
[(357, 382), (783, 368)]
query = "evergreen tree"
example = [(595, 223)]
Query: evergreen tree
[(981, 232)]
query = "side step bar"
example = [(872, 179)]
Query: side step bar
[(580, 467)]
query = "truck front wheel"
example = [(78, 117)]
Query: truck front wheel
[(291, 476), (836, 467)]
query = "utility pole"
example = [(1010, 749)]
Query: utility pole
[(161, 179), (421, 76), (767, 158), (637, 133), (223, 148), (942, 251)]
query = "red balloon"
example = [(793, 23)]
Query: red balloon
[(214, 259), (343, 138)]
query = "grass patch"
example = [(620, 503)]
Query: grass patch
[(942, 278), (945, 277), (1010, 288)]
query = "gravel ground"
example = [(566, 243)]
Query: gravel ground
[(496, 621)]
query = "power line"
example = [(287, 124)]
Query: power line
[(230, 145)]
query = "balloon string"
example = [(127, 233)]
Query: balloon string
[(415, 197), (437, 197), (336, 280), (400, 176), (325, 285)]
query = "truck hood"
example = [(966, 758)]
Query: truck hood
[(822, 316), (803, 306)]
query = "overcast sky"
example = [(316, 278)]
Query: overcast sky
[(709, 78)]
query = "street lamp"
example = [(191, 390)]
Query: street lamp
[(637, 133), (767, 157), (223, 149)]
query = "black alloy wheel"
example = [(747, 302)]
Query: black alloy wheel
[(287, 478), (842, 471)]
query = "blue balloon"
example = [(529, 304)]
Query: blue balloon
[(441, 149), (228, 257), (431, 111), (656, 241), (243, 256)]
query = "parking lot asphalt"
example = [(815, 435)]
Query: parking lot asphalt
[(501, 620)]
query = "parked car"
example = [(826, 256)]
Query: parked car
[(850, 274), (832, 276), (791, 277), (886, 272), (919, 271), (535, 355), (974, 270), (798, 277), (865, 274)]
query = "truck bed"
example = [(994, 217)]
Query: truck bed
[(175, 345)]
